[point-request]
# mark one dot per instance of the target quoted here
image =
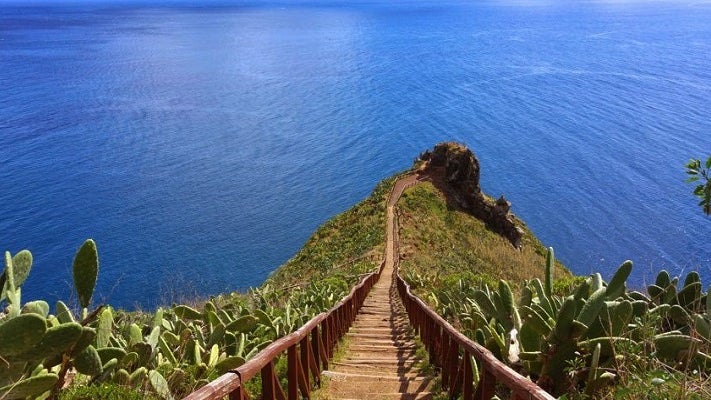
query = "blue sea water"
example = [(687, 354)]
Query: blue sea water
[(200, 145)]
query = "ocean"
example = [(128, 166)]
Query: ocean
[(201, 145)]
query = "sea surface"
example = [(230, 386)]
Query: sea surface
[(201, 145)]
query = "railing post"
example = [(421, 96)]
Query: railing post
[(445, 359), (268, 387), (350, 314), (239, 394), (452, 361), (468, 390), (336, 332), (436, 346), (292, 373), (486, 386), (316, 351), (520, 395), (305, 365), (326, 341), (302, 363), (431, 329), (443, 340)]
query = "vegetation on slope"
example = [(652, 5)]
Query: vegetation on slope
[(444, 243), (349, 244), (81, 351), (578, 337)]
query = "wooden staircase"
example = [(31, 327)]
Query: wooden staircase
[(380, 355)]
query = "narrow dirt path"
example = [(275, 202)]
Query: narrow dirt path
[(380, 360)]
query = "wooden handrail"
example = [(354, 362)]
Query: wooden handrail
[(451, 351), (308, 349)]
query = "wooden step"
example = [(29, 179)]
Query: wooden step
[(343, 376), (389, 396)]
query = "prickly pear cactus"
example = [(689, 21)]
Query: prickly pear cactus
[(21, 265), (86, 270)]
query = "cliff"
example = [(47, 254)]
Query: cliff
[(455, 170)]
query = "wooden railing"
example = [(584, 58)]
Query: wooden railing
[(452, 352), (308, 351)]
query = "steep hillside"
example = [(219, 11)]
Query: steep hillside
[(576, 337), (462, 251), (450, 229), (347, 245), (106, 353)]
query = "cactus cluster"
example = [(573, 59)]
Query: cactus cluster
[(544, 334), (168, 353), (39, 348)]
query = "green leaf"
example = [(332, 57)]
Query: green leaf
[(708, 162)]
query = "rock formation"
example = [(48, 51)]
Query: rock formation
[(456, 165)]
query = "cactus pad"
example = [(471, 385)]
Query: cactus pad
[(107, 353), (187, 312), (21, 265), (229, 363), (30, 387), (56, 340), (21, 334), (103, 331), (88, 362), (38, 307), (86, 270), (159, 385), (242, 324)]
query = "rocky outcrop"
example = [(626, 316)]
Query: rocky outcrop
[(456, 165)]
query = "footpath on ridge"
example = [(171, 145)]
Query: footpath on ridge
[(379, 354)]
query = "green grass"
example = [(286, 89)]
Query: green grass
[(349, 244), (105, 392), (439, 241)]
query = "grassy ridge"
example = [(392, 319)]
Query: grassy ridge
[(447, 243), (347, 245)]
